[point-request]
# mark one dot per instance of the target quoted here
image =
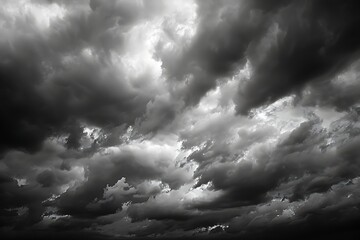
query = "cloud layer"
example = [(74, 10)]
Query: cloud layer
[(160, 119)]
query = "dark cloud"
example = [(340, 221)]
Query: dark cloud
[(300, 155), (30, 197), (340, 92), (46, 178), (288, 44), (224, 31), (310, 41), (135, 164), (194, 120), (51, 78)]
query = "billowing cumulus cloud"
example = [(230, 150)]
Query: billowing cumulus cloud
[(164, 119)]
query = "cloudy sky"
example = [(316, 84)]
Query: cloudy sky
[(157, 119)]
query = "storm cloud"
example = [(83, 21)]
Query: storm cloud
[(164, 119)]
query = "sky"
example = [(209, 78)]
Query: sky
[(165, 119)]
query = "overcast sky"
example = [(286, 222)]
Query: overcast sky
[(208, 119)]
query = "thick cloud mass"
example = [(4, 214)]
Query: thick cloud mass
[(208, 119)]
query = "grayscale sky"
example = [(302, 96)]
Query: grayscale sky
[(169, 119)]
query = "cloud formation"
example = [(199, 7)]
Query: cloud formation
[(160, 119)]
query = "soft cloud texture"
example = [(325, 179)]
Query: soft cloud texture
[(166, 119)]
